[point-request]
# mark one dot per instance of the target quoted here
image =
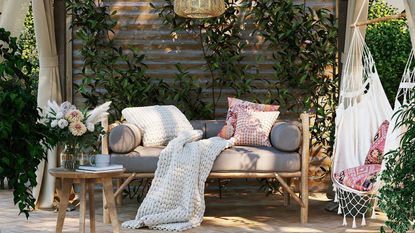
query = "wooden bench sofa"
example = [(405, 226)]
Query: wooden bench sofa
[(238, 162)]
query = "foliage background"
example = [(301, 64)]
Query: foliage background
[(390, 45), (23, 139)]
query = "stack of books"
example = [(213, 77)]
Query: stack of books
[(93, 169)]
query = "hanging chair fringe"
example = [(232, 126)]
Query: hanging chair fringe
[(373, 213), (354, 222), (339, 210), (344, 220), (363, 221)]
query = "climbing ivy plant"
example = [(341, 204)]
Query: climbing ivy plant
[(118, 74), (221, 42), (304, 42)]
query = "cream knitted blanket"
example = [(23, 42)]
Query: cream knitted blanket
[(175, 201)]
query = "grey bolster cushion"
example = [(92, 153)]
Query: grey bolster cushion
[(124, 138), (285, 136)]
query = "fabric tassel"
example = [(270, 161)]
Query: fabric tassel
[(336, 198), (354, 222), (339, 210), (363, 221), (373, 213), (344, 220)]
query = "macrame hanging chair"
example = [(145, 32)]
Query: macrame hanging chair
[(404, 94), (363, 106)]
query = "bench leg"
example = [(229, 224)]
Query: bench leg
[(304, 199), (287, 194)]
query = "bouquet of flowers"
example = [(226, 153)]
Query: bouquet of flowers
[(75, 129)]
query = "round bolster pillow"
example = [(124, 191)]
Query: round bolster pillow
[(285, 136), (124, 138)]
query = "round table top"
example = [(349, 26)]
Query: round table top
[(65, 173)]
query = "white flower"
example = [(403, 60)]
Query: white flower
[(54, 123), (62, 123), (77, 128), (90, 127), (65, 107), (74, 116), (59, 115)]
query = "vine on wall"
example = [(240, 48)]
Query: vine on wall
[(221, 42), (112, 73)]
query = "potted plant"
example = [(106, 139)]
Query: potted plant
[(76, 130)]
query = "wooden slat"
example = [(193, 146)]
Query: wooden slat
[(139, 26)]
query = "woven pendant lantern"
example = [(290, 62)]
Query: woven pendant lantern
[(199, 8)]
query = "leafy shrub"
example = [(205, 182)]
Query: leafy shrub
[(23, 140), (397, 194), (390, 45)]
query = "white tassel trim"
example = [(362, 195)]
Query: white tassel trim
[(363, 221), (336, 198), (339, 210), (344, 220), (354, 222), (373, 213)]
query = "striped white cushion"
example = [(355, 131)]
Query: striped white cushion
[(158, 124)]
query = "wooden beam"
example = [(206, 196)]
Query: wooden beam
[(381, 19)]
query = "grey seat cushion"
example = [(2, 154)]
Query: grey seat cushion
[(256, 159), (142, 159), (235, 159), (285, 136)]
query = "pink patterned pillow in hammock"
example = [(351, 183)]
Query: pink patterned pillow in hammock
[(377, 147), (359, 178), (362, 177)]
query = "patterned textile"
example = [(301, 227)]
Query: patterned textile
[(253, 128), (359, 178), (175, 201), (375, 154), (234, 106), (158, 124)]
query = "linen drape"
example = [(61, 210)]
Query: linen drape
[(13, 14), (49, 89), (353, 9)]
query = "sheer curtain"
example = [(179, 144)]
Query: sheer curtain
[(49, 89), (410, 16)]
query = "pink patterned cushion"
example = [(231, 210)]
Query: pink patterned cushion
[(375, 154), (359, 178), (234, 106), (253, 128)]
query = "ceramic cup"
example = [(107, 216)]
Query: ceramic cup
[(99, 160)]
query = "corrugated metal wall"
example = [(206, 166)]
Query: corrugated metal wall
[(140, 27)]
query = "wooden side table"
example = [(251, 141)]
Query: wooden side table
[(86, 179)]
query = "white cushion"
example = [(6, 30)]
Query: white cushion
[(158, 124)]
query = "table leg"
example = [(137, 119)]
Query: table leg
[(82, 206), (91, 189), (109, 196), (63, 203)]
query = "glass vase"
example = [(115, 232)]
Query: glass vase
[(71, 157)]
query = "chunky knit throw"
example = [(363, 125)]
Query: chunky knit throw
[(175, 201)]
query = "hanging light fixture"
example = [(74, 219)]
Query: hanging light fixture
[(199, 8)]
